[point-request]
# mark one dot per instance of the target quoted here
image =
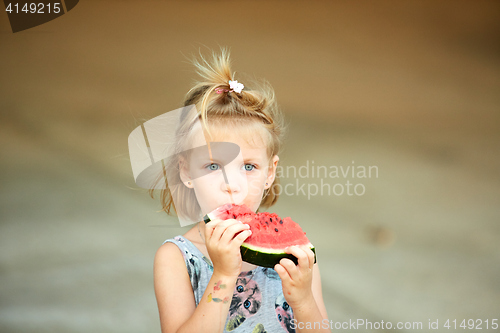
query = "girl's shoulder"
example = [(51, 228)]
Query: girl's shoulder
[(178, 244), (175, 258), (188, 248), (189, 263), (170, 252)]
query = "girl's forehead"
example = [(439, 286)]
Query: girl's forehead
[(251, 139)]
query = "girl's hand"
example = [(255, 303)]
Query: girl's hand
[(223, 241), (297, 280)]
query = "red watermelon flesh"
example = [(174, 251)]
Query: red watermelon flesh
[(270, 234)]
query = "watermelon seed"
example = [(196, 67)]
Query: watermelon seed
[(270, 219), (281, 221), (276, 229)]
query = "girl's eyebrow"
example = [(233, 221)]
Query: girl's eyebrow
[(212, 160), (253, 159)]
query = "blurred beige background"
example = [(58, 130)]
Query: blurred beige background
[(410, 87)]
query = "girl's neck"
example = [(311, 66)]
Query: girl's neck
[(202, 234)]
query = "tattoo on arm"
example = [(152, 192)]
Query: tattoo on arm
[(218, 286)]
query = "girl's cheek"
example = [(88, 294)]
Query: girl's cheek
[(256, 187), (255, 173)]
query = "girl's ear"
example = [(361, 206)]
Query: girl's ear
[(184, 173), (272, 171)]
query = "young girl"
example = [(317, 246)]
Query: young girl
[(201, 283)]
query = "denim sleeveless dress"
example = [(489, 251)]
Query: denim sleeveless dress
[(258, 304)]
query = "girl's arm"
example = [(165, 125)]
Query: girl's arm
[(314, 310), (318, 292), (302, 290), (174, 293)]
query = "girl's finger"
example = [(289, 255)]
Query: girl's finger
[(240, 238), (283, 273), (210, 227), (220, 228), (310, 255), (290, 267), (301, 255), (231, 231)]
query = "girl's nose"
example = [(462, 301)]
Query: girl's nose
[(231, 188), (234, 182)]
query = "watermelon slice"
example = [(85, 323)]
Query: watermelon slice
[(270, 234)]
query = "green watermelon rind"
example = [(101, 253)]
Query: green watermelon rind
[(207, 218), (267, 257)]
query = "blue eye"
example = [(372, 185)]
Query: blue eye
[(213, 167), (249, 167), (247, 304), (279, 317), (239, 289), (285, 306)]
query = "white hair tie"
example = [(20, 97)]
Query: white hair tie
[(234, 85)]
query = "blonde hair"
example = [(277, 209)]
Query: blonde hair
[(255, 106)]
